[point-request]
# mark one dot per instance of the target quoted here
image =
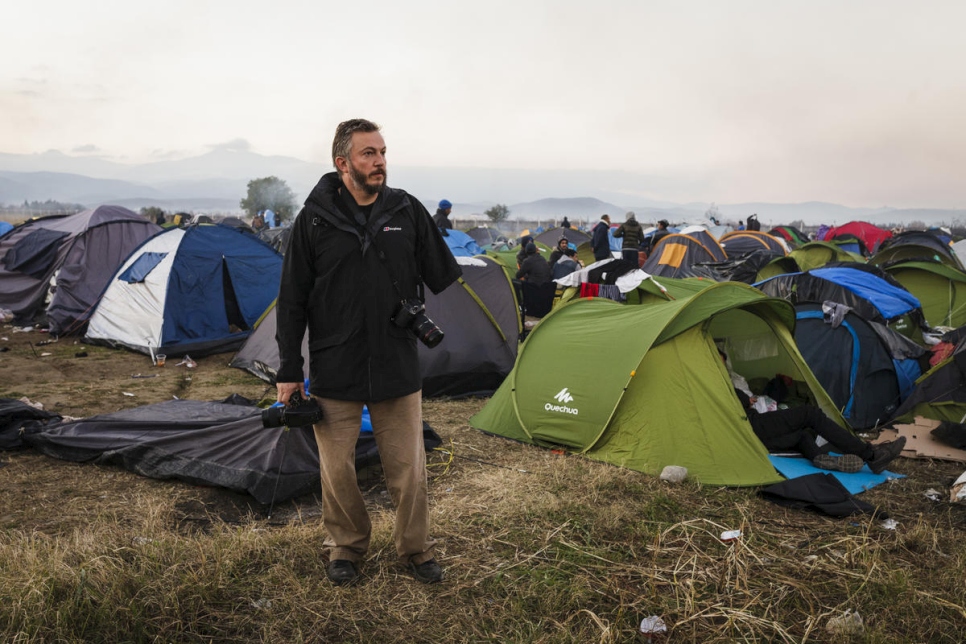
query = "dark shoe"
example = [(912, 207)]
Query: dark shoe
[(885, 453), (849, 463), (342, 572), (427, 572)]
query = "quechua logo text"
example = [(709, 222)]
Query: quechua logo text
[(564, 397)]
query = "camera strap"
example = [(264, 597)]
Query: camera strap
[(420, 292)]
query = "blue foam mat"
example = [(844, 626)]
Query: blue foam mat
[(792, 467)]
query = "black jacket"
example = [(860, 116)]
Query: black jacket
[(535, 269), (599, 241), (335, 283), (442, 220), (632, 232)]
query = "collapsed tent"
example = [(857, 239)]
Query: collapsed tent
[(193, 290), (940, 288), (278, 237), (660, 395), (478, 314), (204, 443), (79, 253), (918, 246), (675, 254)]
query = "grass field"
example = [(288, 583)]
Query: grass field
[(538, 547)]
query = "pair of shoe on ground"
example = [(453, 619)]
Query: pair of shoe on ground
[(343, 572), (882, 455)]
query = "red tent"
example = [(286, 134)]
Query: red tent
[(870, 234)]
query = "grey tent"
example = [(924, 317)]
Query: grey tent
[(78, 252), (478, 314), (207, 443)]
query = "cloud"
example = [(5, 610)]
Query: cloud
[(88, 148)]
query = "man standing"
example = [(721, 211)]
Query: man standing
[(359, 251), (442, 215), (633, 234), (599, 240), (658, 235)]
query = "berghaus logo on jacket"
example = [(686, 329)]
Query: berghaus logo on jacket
[(563, 396)]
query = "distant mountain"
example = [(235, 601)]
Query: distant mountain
[(217, 181)]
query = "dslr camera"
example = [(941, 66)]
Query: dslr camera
[(412, 315), (297, 413)]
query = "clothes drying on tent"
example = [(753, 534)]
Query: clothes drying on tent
[(79, 253), (479, 315), (205, 443), (196, 290), (661, 395)]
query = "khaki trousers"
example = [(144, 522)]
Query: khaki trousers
[(397, 426)]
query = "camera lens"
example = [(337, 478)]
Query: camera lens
[(427, 331), (273, 417)]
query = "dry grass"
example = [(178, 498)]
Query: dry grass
[(537, 548)]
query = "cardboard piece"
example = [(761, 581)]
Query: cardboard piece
[(919, 441)]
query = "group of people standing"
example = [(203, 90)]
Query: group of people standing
[(631, 233)]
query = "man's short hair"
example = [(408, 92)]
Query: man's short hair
[(570, 252), (342, 142)]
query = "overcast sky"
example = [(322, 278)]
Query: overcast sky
[(859, 103)]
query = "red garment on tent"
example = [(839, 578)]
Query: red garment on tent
[(589, 290)]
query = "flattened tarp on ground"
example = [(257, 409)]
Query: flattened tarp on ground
[(205, 443)]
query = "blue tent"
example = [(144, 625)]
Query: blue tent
[(5, 227), (461, 244), (196, 290)]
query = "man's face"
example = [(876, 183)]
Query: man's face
[(562, 244), (366, 164)]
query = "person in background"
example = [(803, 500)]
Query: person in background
[(599, 240), (558, 252), (522, 253), (565, 223), (258, 221), (534, 268), (565, 265), (270, 220), (442, 215), (354, 229), (632, 235), (658, 235), (797, 428), (741, 224)]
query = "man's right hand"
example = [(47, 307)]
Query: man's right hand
[(286, 389)]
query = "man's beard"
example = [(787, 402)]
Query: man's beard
[(362, 181)]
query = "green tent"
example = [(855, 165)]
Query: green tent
[(941, 289), (812, 255), (646, 387)]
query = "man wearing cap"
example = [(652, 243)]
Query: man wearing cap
[(442, 215), (599, 240)]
